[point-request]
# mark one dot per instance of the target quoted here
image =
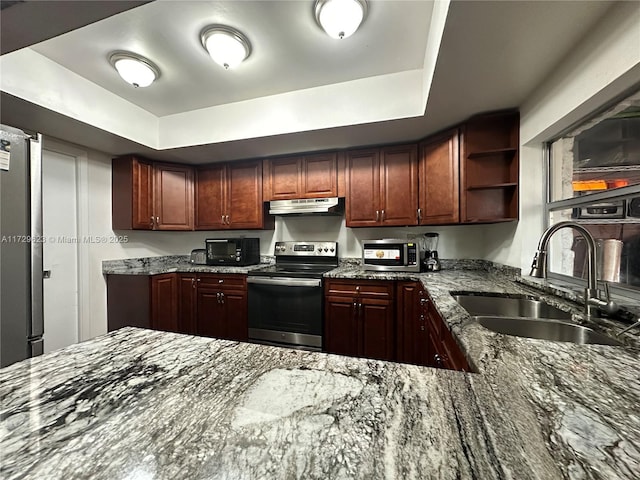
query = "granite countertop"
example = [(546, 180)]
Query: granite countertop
[(580, 401), (172, 264), (148, 404)]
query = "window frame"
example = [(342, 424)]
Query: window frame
[(622, 193)]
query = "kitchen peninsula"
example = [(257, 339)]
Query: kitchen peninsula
[(148, 404)]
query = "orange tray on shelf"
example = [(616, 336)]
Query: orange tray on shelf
[(588, 185)]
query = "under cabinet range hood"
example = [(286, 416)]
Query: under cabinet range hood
[(307, 206)]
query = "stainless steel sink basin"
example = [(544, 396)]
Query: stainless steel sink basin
[(542, 329), (491, 305)]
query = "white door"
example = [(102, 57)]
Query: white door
[(60, 229)]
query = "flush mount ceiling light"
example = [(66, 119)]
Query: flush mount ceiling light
[(134, 69), (228, 47), (340, 18)]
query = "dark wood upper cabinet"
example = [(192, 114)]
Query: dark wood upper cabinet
[(489, 168), (173, 197), (132, 194), (382, 187), (319, 175), (229, 196), (151, 196), (210, 197), (309, 176), (244, 195), (438, 172), (363, 188)]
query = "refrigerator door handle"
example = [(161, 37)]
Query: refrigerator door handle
[(37, 310)]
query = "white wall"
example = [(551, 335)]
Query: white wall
[(602, 66)]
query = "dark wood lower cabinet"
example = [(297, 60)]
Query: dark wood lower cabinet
[(359, 319), (164, 302), (389, 321), (200, 304), (412, 337), (222, 306)]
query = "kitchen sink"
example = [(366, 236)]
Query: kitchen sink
[(545, 329), (512, 306)]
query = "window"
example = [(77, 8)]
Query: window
[(594, 180)]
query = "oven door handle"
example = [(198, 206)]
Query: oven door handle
[(286, 282)]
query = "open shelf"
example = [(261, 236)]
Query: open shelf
[(492, 153), (490, 168), (493, 185)]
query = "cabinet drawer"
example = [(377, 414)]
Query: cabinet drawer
[(222, 281), (364, 289)]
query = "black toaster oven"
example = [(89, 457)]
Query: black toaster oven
[(233, 251)]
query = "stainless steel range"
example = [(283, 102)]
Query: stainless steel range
[(286, 299)]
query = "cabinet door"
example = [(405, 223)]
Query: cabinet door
[(187, 304), (142, 194), (439, 180), (377, 326), (363, 188), (409, 335), (131, 194), (244, 195), (164, 302), (210, 198), (210, 318), (399, 185), (284, 178), (235, 314), (319, 176), (341, 326), (173, 197)]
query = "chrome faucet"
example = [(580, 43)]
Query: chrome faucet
[(592, 302)]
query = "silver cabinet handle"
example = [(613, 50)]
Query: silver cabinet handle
[(220, 281), (228, 223), (218, 297), (157, 221), (222, 219), (360, 309), (383, 215), (419, 214), (437, 359), (222, 298), (152, 221), (377, 215)]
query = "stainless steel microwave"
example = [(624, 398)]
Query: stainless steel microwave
[(391, 255), (232, 251)]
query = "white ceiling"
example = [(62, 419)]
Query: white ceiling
[(289, 50), (492, 56)]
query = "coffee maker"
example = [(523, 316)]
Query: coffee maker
[(430, 262)]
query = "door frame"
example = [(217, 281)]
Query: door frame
[(82, 215)]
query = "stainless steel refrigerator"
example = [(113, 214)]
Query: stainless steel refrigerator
[(21, 243)]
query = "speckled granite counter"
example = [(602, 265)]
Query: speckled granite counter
[(171, 264), (580, 401), (156, 405), (153, 405)]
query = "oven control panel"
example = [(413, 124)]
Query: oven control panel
[(307, 249)]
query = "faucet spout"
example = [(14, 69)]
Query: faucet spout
[(539, 266)]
